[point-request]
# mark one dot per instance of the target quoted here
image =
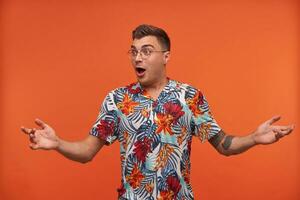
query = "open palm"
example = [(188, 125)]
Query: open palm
[(43, 138), (267, 133)]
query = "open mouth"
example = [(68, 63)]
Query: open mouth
[(140, 71)]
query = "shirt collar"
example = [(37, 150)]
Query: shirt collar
[(137, 88)]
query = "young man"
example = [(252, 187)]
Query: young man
[(154, 120)]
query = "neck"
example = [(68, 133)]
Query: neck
[(157, 85)]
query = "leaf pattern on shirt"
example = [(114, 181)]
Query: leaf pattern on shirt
[(155, 138), (163, 156)]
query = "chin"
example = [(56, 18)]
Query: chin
[(143, 81)]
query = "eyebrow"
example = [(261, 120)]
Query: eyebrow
[(145, 45)]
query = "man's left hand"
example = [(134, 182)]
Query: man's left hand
[(267, 133)]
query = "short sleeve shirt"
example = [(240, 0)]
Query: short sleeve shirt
[(155, 138)]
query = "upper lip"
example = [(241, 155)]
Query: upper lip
[(141, 67)]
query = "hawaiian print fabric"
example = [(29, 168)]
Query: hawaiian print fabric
[(155, 138)]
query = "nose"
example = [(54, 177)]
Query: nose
[(138, 57)]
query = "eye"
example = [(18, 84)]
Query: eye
[(146, 51), (133, 52)]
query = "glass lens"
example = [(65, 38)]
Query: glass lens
[(146, 52)]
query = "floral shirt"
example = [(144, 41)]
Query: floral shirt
[(155, 138)]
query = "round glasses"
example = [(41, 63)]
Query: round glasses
[(144, 53)]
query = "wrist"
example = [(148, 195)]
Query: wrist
[(253, 138), (57, 144)]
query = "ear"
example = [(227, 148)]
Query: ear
[(166, 57)]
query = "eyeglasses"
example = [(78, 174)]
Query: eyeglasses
[(144, 52)]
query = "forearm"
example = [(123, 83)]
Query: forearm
[(237, 145), (81, 151), (232, 145)]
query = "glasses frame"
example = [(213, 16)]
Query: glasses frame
[(143, 56)]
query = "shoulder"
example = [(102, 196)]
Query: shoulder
[(118, 94), (131, 88), (188, 89)]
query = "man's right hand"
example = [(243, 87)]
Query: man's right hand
[(43, 138)]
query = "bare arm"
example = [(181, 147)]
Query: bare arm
[(81, 151), (266, 133), (231, 145), (46, 138)]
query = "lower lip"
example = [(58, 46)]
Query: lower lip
[(140, 74)]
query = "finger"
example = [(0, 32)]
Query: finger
[(34, 146), (32, 140), (280, 134), (27, 130), (286, 132), (40, 123), (281, 128), (284, 128), (273, 119), (32, 133)]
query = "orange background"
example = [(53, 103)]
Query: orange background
[(60, 58)]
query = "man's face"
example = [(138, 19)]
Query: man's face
[(149, 65)]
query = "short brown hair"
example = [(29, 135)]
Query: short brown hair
[(149, 30)]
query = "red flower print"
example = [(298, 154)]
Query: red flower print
[(195, 102), (132, 90), (127, 105), (121, 190), (173, 189), (142, 148), (173, 109), (105, 128), (174, 184), (164, 120), (164, 123), (135, 178), (166, 195)]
